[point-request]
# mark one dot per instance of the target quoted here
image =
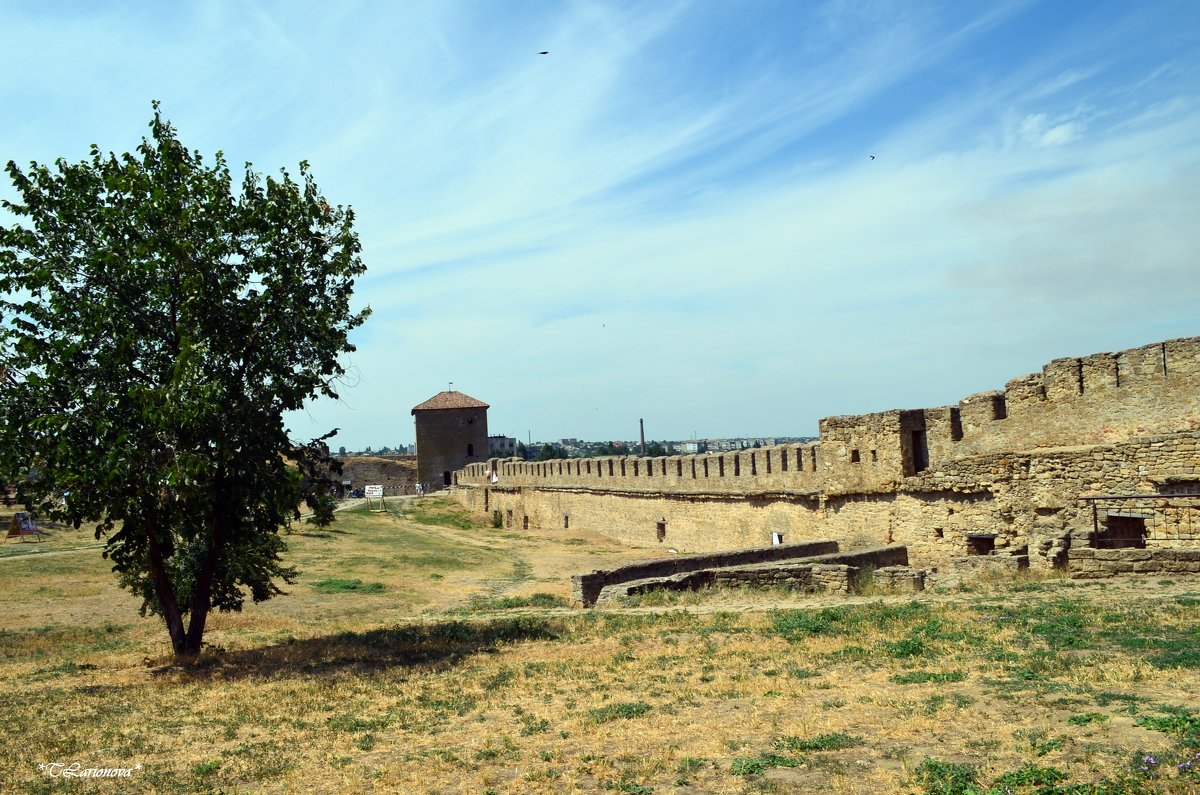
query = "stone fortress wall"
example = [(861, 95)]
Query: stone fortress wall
[(396, 473), (1004, 469)]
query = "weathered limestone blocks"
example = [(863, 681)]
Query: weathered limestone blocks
[(1087, 563), (808, 578), (991, 563), (1049, 551), (900, 579)]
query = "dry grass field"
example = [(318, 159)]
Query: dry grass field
[(423, 652)]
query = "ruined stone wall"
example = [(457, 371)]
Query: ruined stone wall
[(397, 474), (1009, 465)]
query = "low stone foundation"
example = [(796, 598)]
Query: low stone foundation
[(977, 564), (586, 588), (1087, 563), (836, 572), (900, 579)]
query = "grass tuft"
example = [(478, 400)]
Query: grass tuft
[(624, 710), (338, 585)]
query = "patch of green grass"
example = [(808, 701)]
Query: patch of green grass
[(947, 778), (437, 511), (355, 723), (339, 585), (851, 654), (906, 647), (65, 668), (1186, 657), (621, 711), (504, 677), (1030, 775), (752, 766), (545, 600), (55, 641), (1107, 697), (1175, 646), (1039, 743), (206, 768), (800, 624), (834, 741), (1173, 720), (925, 677), (1088, 718), (261, 760), (531, 724), (1058, 623)]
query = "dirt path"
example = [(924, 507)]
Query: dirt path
[(34, 552)]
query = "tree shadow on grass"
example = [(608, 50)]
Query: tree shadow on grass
[(442, 643), (308, 530)]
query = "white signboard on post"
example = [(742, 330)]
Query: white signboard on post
[(373, 492)]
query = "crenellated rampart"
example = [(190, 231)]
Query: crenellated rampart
[(1006, 464)]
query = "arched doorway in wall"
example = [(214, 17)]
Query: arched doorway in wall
[(446, 478)]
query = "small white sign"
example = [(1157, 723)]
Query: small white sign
[(373, 491)]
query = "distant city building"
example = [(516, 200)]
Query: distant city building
[(451, 433), (502, 446)]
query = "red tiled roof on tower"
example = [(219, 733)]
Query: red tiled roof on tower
[(450, 400)]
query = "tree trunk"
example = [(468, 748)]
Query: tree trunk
[(202, 592), (166, 596)]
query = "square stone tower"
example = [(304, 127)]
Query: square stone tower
[(451, 433)]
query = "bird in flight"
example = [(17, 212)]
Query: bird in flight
[(871, 156), (544, 52)]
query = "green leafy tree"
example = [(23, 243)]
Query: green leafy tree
[(522, 451), (158, 321), (550, 452)]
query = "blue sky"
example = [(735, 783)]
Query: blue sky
[(674, 215)]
